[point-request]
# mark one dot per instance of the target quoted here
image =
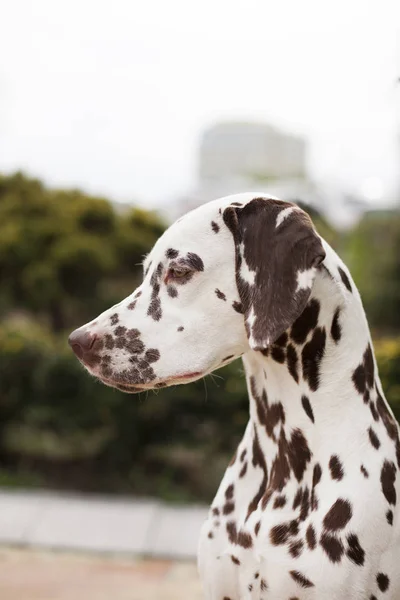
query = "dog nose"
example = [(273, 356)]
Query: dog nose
[(81, 342)]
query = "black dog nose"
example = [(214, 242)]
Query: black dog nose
[(81, 342)]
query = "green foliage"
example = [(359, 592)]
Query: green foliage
[(372, 252), (64, 258)]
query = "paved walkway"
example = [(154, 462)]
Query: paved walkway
[(43, 575), (99, 524)]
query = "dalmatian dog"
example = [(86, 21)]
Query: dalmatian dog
[(307, 508)]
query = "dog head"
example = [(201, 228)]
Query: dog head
[(228, 277)]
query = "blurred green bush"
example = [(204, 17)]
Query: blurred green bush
[(65, 257)]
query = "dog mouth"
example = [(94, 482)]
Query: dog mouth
[(134, 388)]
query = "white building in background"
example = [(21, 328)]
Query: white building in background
[(239, 157), (250, 151)]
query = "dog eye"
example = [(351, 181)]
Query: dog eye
[(177, 272)]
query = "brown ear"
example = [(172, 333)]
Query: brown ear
[(277, 252)]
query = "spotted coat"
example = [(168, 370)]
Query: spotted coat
[(307, 508)]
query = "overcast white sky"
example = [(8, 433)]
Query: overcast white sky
[(113, 96)]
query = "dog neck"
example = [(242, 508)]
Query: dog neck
[(316, 388)]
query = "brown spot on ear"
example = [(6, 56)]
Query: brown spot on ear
[(345, 279), (276, 256)]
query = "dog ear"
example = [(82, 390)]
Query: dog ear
[(277, 254)]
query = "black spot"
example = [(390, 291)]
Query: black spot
[(171, 253), (307, 408), (354, 551), (311, 537), (336, 468), (194, 261), (292, 360), (299, 454), (154, 309), (389, 517), (235, 560), (118, 331), (172, 291), (306, 322), (220, 294), (114, 319), (345, 279), (244, 540), (301, 579), (152, 355), (279, 501), (383, 581), (388, 478), (312, 355), (332, 546), (296, 548), (238, 307), (336, 330), (373, 438), (282, 340), (364, 471), (278, 354), (228, 508), (214, 226), (180, 328), (363, 376), (338, 515)]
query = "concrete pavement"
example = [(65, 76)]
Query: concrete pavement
[(99, 524)]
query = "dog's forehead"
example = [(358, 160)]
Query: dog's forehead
[(197, 230)]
